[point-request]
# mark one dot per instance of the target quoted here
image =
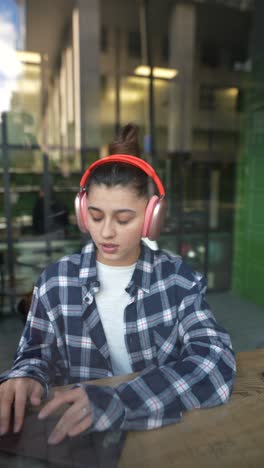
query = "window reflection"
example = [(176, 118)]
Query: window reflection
[(68, 90)]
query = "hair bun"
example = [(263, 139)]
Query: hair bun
[(126, 142)]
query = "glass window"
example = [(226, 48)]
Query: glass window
[(207, 98), (134, 44), (104, 39)]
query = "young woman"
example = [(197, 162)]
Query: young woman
[(115, 308)]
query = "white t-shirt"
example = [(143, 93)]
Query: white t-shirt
[(111, 301)]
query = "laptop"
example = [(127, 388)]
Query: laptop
[(88, 450)]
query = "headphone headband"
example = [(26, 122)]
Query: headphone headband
[(125, 158)]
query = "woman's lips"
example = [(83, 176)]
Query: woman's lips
[(109, 248)]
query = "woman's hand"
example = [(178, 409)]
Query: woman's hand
[(76, 419), (14, 393)]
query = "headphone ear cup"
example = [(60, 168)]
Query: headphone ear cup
[(81, 211), (154, 217), (157, 219), (148, 215)]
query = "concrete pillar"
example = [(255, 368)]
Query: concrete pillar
[(182, 48), (86, 45)]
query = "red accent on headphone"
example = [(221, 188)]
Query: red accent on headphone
[(156, 208)]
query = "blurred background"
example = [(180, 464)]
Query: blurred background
[(189, 73)]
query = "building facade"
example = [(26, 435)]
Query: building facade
[(187, 72)]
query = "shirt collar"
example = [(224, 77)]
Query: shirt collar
[(140, 279), (142, 274), (87, 272)]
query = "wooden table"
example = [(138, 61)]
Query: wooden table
[(228, 436)]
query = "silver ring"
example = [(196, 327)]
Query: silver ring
[(84, 412)]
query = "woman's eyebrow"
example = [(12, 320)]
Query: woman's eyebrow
[(124, 210), (121, 210), (94, 208)]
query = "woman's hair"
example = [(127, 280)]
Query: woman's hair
[(126, 142), (121, 173)]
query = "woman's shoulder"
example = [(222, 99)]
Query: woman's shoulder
[(171, 264), (71, 266), (166, 257), (67, 266)]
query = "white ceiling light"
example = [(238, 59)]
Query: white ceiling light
[(158, 72)]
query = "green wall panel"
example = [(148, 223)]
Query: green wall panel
[(248, 261)]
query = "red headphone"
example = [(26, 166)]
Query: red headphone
[(156, 207)]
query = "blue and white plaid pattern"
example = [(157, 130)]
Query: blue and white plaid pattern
[(184, 358)]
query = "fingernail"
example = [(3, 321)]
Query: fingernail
[(17, 428), (35, 401), (41, 415), (53, 438)]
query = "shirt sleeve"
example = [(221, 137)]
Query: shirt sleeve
[(201, 377), (36, 354)]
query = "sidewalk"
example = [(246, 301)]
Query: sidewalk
[(243, 320)]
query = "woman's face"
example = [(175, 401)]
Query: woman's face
[(115, 219)]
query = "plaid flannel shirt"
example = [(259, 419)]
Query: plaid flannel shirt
[(184, 358)]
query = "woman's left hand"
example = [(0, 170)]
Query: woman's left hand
[(76, 419)]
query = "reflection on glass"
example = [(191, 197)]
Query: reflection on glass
[(10, 38), (107, 108), (24, 125), (134, 100)]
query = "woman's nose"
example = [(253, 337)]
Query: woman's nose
[(108, 229)]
